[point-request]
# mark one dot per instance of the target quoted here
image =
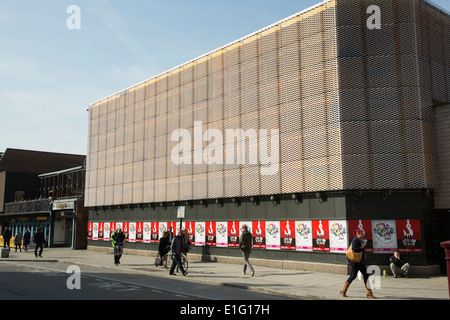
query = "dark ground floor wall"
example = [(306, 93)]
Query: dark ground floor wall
[(402, 205)]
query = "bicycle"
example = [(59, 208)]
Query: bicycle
[(184, 260)]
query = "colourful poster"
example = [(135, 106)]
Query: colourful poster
[(221, 234), (190, 229), (287, 234), (338, 236), (200, 234), (409, 236), (106, 231), (95, 231), (132, 231), (249, 225), (366, 227), (210, 233), (258, 234), (146, 232), (303, 236), (320, 233), (384, 236), (162, 226), (273, 240), (233, 233)]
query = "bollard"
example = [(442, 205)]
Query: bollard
[(446, 246)]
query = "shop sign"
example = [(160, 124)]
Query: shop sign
[(63, 205)]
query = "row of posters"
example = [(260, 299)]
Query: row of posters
[(381, 236)]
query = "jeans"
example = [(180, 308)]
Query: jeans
[(118, 250), (355, 268), (246, 256), (396, 271), (41, 248), (177, 262)]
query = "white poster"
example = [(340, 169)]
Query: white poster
[(303, 236), (200, 238), (147, 232), (273, 240), (221, 234), (95, 231), (106, 231), (132, 232), (245, 223), (162, 227), (384, 236), (338, 235)]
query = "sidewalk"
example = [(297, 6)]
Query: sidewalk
[(290, 283)]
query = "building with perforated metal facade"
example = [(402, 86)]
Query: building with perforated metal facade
[(324, 116)]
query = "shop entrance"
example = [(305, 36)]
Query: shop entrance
[(62, 234)]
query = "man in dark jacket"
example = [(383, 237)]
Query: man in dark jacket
[(245, 244), (398, 264), (6, 237), (178, 247), (39, 240), (118, 238)]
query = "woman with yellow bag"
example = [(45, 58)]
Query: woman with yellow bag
[(357, 256)]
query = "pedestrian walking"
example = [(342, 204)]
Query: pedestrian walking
[(245, 244), (169, 231), (399, 266), (6, 237), (39, 240), (177, 248), (358, 264), (26, 239), (118, 238), (18, 241), (164, 246)]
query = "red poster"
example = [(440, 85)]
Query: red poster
[(89, 231), (321, 235), (259, 234), (190, 228), (210, 233), (172, 224), (233, 233), (409, 236), (112, 228), (100, 230), (154, 232), (287, 229), (139, 231), (366, 227), (125, 229)]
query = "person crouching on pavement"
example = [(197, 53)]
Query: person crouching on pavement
[(398, 264)]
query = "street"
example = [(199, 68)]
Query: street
[(28, 280)]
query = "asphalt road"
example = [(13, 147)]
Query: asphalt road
[(26, 280)]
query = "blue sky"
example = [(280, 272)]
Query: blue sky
[(49, 75)]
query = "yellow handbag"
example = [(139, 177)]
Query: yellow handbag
[(354, 256)]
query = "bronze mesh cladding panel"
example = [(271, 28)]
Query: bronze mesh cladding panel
[(353, 107)]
